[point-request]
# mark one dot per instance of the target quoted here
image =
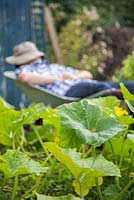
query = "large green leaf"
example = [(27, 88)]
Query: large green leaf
[(6, 125), (120, 145), (126, 94), (97, 166), (130, 105), (129, 98), (107, 104), (84, 170), (68, 197), (5, 138), (14, 162), (11, 121), (84, 123)]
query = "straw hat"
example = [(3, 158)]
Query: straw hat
[(23, 53)]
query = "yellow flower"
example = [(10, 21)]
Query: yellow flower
[(119, 111)]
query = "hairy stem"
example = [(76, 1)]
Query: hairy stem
[(96, 179), (40, 140), (15, 187), (81, 191)]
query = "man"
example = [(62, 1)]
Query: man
[(62, 80)]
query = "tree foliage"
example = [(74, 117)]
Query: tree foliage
[(111, 12)]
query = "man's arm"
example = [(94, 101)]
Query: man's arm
[(36, 78)]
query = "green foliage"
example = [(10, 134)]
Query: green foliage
[(77, 45), (87, 125), (127, 70), (111, 12), (112, 190), (68, 197), (34, 164), (115, 12), (13, 163), (85, 171), (77, 30), (129, 98)]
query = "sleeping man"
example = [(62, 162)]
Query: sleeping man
[(32, 67)]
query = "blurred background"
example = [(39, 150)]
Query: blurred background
[(89, 34), (96, 35)]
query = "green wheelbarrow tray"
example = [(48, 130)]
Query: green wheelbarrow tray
[(37, 93)]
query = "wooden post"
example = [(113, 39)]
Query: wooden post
[(53, 35)]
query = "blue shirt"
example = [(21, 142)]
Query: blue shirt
[(55, 70)]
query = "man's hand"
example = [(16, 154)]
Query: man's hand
[(79, 75), (24, 77), (67, 76), (84, 75)]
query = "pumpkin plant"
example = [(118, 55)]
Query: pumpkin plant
[(81, 150)]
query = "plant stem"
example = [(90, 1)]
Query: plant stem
[(35, 186), (117, 182), (96, 179), (15, 187), (122, 153), (124, 190), (93, 151), (132, 160), (41, 142), (13, 142), (20, 144), (120, 163), (86, 154), (22, 139), (98, 189), (81, 191), (112, 149)]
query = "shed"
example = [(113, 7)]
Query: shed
[(19, 21)]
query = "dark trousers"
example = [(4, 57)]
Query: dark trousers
[(87, 88)]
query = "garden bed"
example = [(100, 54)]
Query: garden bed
[(81, 150)]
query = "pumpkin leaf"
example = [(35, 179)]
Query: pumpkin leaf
[(83, 169), (107, 104), (87, 183), (14, 162), (126, 94), (68, 197), (129, 98), (84, 123)]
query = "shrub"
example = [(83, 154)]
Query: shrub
[(77, 43), (127, 71)]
